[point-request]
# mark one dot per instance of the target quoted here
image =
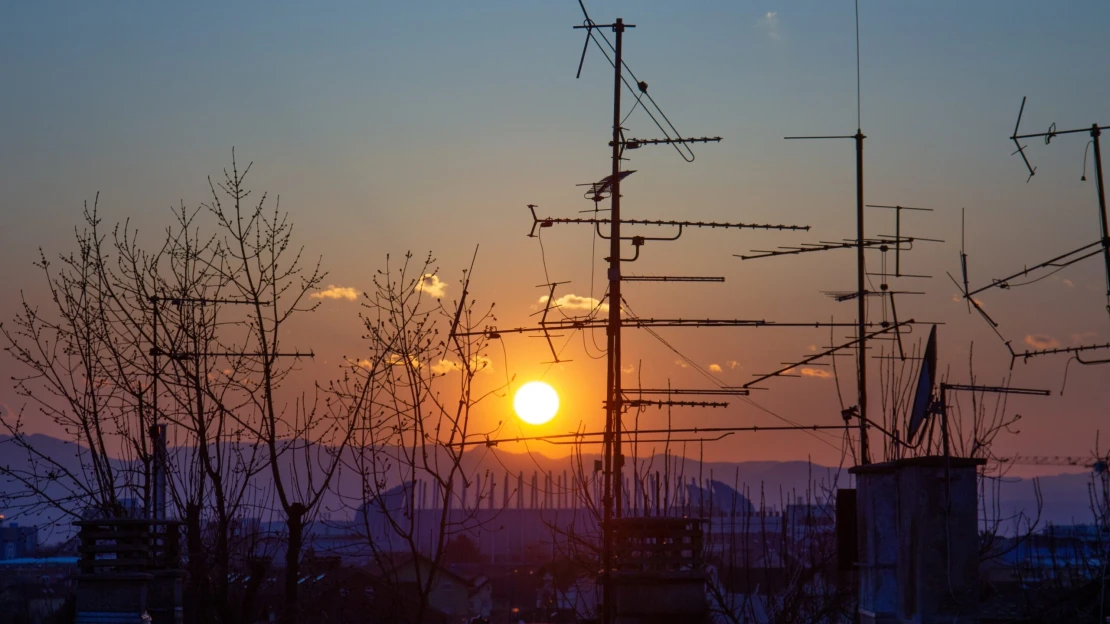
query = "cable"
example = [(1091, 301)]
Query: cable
[(633, 109), (677, 143), (1035, 280)]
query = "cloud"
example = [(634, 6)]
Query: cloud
[(959, 299), (396, 359), (769, 24), (812, 348), (367, 364), (481, 363), (733, 365), (336, 292), (432, 285), (1084, 337), (577, 302), (816, 372), (1067, 282), (443, 367), (628, 368), (478, 363), (681, 364), (1041, 341), (714, 368)]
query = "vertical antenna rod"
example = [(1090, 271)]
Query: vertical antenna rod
[(614, 327), (612, 458), (861, 287), (1096, 132), (612, 403)]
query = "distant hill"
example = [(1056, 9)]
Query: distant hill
[(1065, 497)]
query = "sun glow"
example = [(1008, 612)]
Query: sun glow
[(536, 402)]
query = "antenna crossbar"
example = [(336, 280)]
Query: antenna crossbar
[(1028, 354), (995, 389), (825, 246), (659, 403), (689, 391), (580, 437), (544, 222), (1059, 262), (636, 143), (785, 371), (594, 323), (670, 278), (189, 355)]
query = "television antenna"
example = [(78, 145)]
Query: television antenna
[(156, 479), (898, 243), (1032, 274), (613, 229)]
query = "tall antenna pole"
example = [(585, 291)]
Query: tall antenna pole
[(861, 296), (156, 486), (1096, 132), (861, 286), (612, 447), (615, 280)]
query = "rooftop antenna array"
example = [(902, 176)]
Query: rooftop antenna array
[(619, 315), (1039, 271), (897, 243)]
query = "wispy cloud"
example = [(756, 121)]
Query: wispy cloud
[(396, 359), (432, 285), (681, 364), (1084, 337), (816, 373), (443, 367), (1067, 282), (367, 364), (478, 363), (959, 299), (628, 368), (769, 24), (1041, 341), (336, 292), (576, 302), (733, 365), (481, 363)]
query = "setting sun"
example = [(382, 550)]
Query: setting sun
[(536, 402)]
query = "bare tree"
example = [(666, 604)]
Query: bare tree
[(88, 365), (303, 440), (414, 391)]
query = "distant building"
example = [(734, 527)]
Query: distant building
[(17, 542)]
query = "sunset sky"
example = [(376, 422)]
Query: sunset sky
[(428, 126)]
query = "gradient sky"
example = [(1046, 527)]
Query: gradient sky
[(388, 127)]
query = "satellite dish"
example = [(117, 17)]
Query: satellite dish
[(923, 398)]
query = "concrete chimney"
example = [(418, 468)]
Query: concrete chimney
[(918, 541)]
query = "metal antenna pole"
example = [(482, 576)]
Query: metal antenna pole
[(861, 288), (615, 281), (156, 481), (612, 446), (1096, 132)]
